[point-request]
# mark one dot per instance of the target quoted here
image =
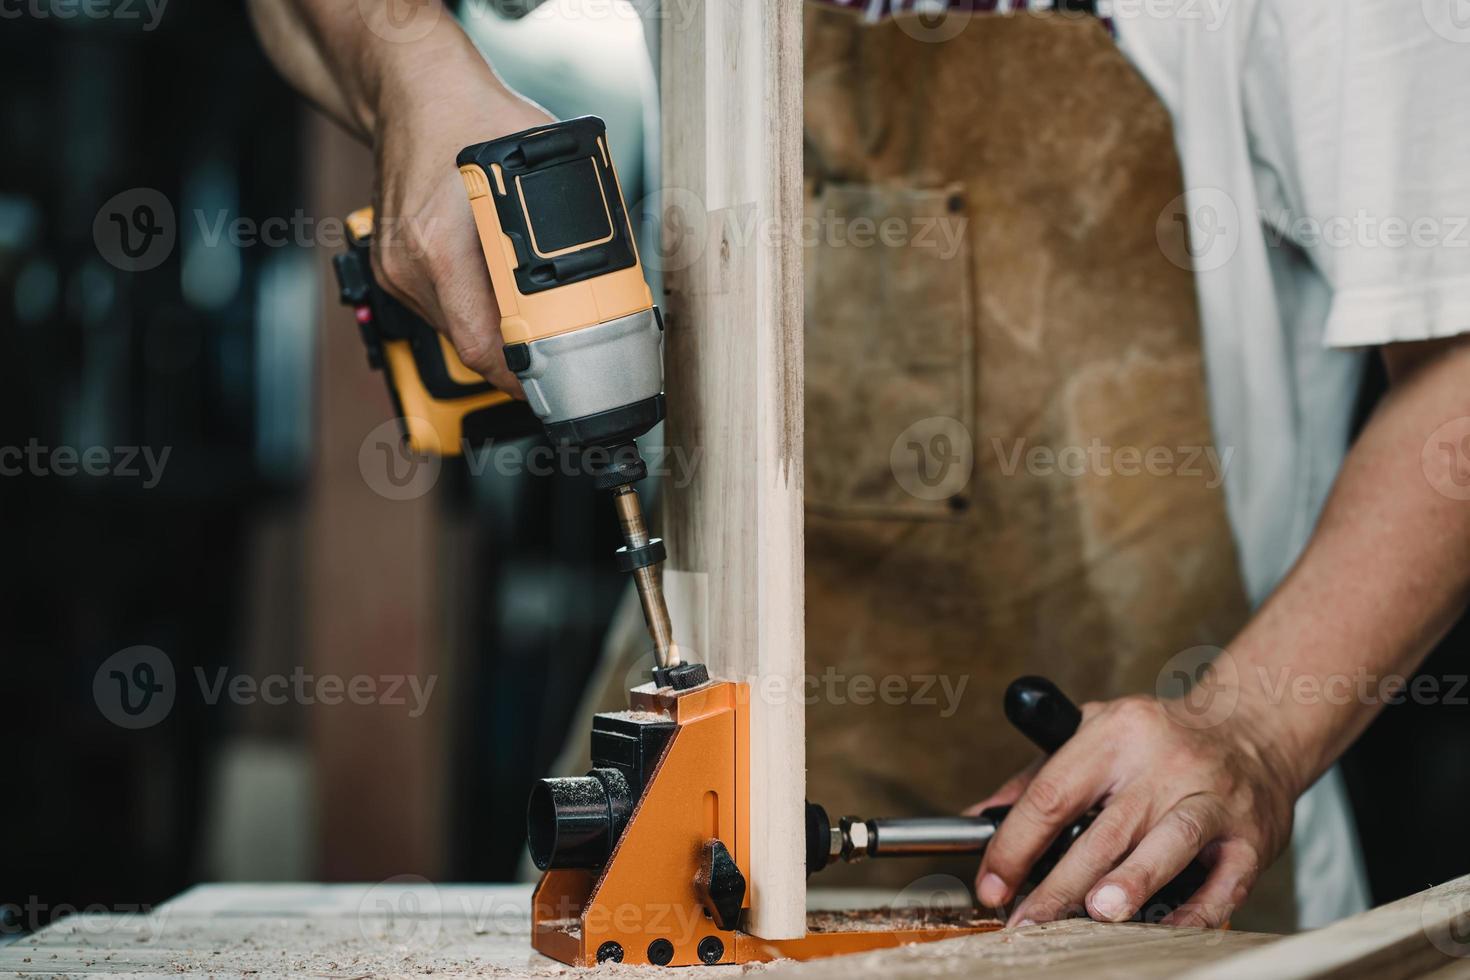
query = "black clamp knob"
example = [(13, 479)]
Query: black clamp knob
[(720, 885)]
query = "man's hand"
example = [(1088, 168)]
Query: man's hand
[(417, 98), (428, 252), (1169, 791)]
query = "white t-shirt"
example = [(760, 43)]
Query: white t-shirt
[(1326, 154)]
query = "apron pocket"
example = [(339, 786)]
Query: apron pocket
[(889, 352)]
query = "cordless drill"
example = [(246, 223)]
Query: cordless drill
[(580, 328)]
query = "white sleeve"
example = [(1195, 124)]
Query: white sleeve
[(1375, 125)]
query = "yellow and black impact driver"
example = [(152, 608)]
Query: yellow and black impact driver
[(580, 328)]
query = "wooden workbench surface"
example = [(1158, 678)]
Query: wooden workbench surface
[(413, 928)]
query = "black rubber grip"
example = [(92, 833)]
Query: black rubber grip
[(650, 554), (1041, 712)]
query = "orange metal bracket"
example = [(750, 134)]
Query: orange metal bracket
[(645, 898)]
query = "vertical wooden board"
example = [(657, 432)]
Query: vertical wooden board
[(731, 208)]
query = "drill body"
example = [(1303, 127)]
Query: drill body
[(581, 331), (580, 328)]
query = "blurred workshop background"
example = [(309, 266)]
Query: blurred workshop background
[(183, 474), (255, 545)]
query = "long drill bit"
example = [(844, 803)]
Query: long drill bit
[(650, 585)]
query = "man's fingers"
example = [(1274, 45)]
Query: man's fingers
[(1112, 835), (1063, 789), (1237, 864), (1164, 852), (1009, 792), (437, 270), (471, 314)]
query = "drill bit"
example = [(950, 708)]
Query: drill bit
[(650, 586)]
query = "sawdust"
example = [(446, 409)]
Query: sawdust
[(267, 948), (890, 919), (642, 717)]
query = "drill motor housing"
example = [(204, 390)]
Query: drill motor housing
[(581, 331)]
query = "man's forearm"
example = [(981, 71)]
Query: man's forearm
[(350, 59), (1387, 572)]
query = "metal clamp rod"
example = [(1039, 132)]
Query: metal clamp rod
[(856, 839), (929, 836)]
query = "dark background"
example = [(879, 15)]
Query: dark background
[(102, 357), (102, 815)]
